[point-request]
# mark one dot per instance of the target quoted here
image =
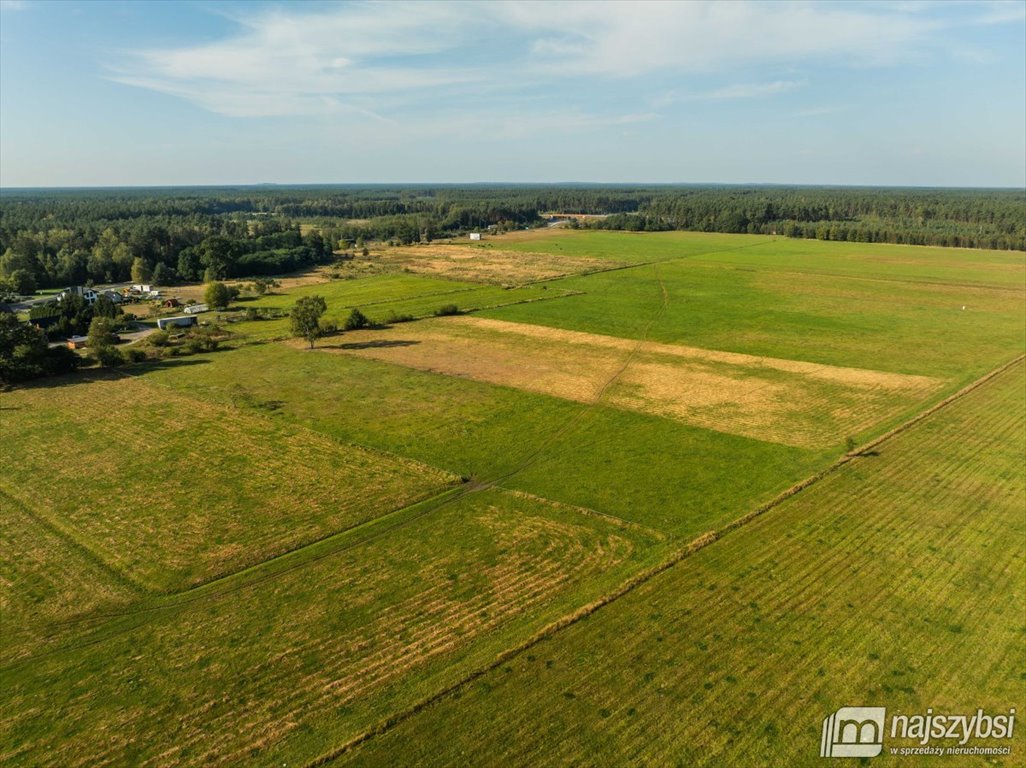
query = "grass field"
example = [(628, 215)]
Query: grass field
[(794, 403), (381, 297), (871, 588), (677, 479), (276, 664), (171, 491), (864, 307), (261, 554)]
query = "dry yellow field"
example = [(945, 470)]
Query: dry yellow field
[(785, 401), (488, 264)]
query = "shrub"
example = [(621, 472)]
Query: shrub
[(108, 356), (134, 355), (356, 321), (394, 318), (447, 309)]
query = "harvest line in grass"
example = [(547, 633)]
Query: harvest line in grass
[(647, 575)]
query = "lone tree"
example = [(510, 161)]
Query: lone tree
[(306, 318), (102, 340), (217, 294)]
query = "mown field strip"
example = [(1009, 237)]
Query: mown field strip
[(790, 402), (647, 576), (217, 681)]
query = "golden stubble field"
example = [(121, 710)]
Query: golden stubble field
[(786, 401)]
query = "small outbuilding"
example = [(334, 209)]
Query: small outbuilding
[(77, 342), (176, 322), (171, 303), (475, 235), (195, 309)]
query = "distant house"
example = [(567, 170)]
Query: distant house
[(176, 322), (195, 309), (475, 235), (139, 288), (114, 296), (171, 303), (86, 293), (77, 342)]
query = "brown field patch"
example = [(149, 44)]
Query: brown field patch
[(486, 264), (785, 401)]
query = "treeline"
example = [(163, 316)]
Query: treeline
[(958, 218), (54, 238), (158, 249)]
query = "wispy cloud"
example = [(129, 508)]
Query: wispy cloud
[(376, 59), (821, 111), (734, 91)]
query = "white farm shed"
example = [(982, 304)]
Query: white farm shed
[(475, 235)]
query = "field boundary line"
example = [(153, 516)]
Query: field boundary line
[(643, 577), (69, 538), (588, 408), (619, 522)]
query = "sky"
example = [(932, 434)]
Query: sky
[(179, 93)]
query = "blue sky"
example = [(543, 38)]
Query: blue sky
[(139, 93)]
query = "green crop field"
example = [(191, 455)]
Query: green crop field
[(872, 587), (610, 515)]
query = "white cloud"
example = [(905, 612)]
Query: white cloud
[(735, 91), (373, 58)]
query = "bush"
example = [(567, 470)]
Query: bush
[(160, 338), (356, 321), (447, 310), (394, 318), (134, 355), (108, 356)]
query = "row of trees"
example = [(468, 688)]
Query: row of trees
[(56, 238), (157, 254)]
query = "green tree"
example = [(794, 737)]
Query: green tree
[(141, 271), (25, 353), (102, 340), (217, 295), (162, 275), (104, 306), (306, 318), (24, 282)]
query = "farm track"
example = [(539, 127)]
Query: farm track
[(647, 575), (436, 613)]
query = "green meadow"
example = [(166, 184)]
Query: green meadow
[(385, 552), (871, 588)]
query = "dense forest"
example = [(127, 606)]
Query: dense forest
[(54, 238)]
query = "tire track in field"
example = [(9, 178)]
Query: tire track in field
[(565, 429), (648, 574)]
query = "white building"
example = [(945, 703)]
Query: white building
[(475, 235)]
